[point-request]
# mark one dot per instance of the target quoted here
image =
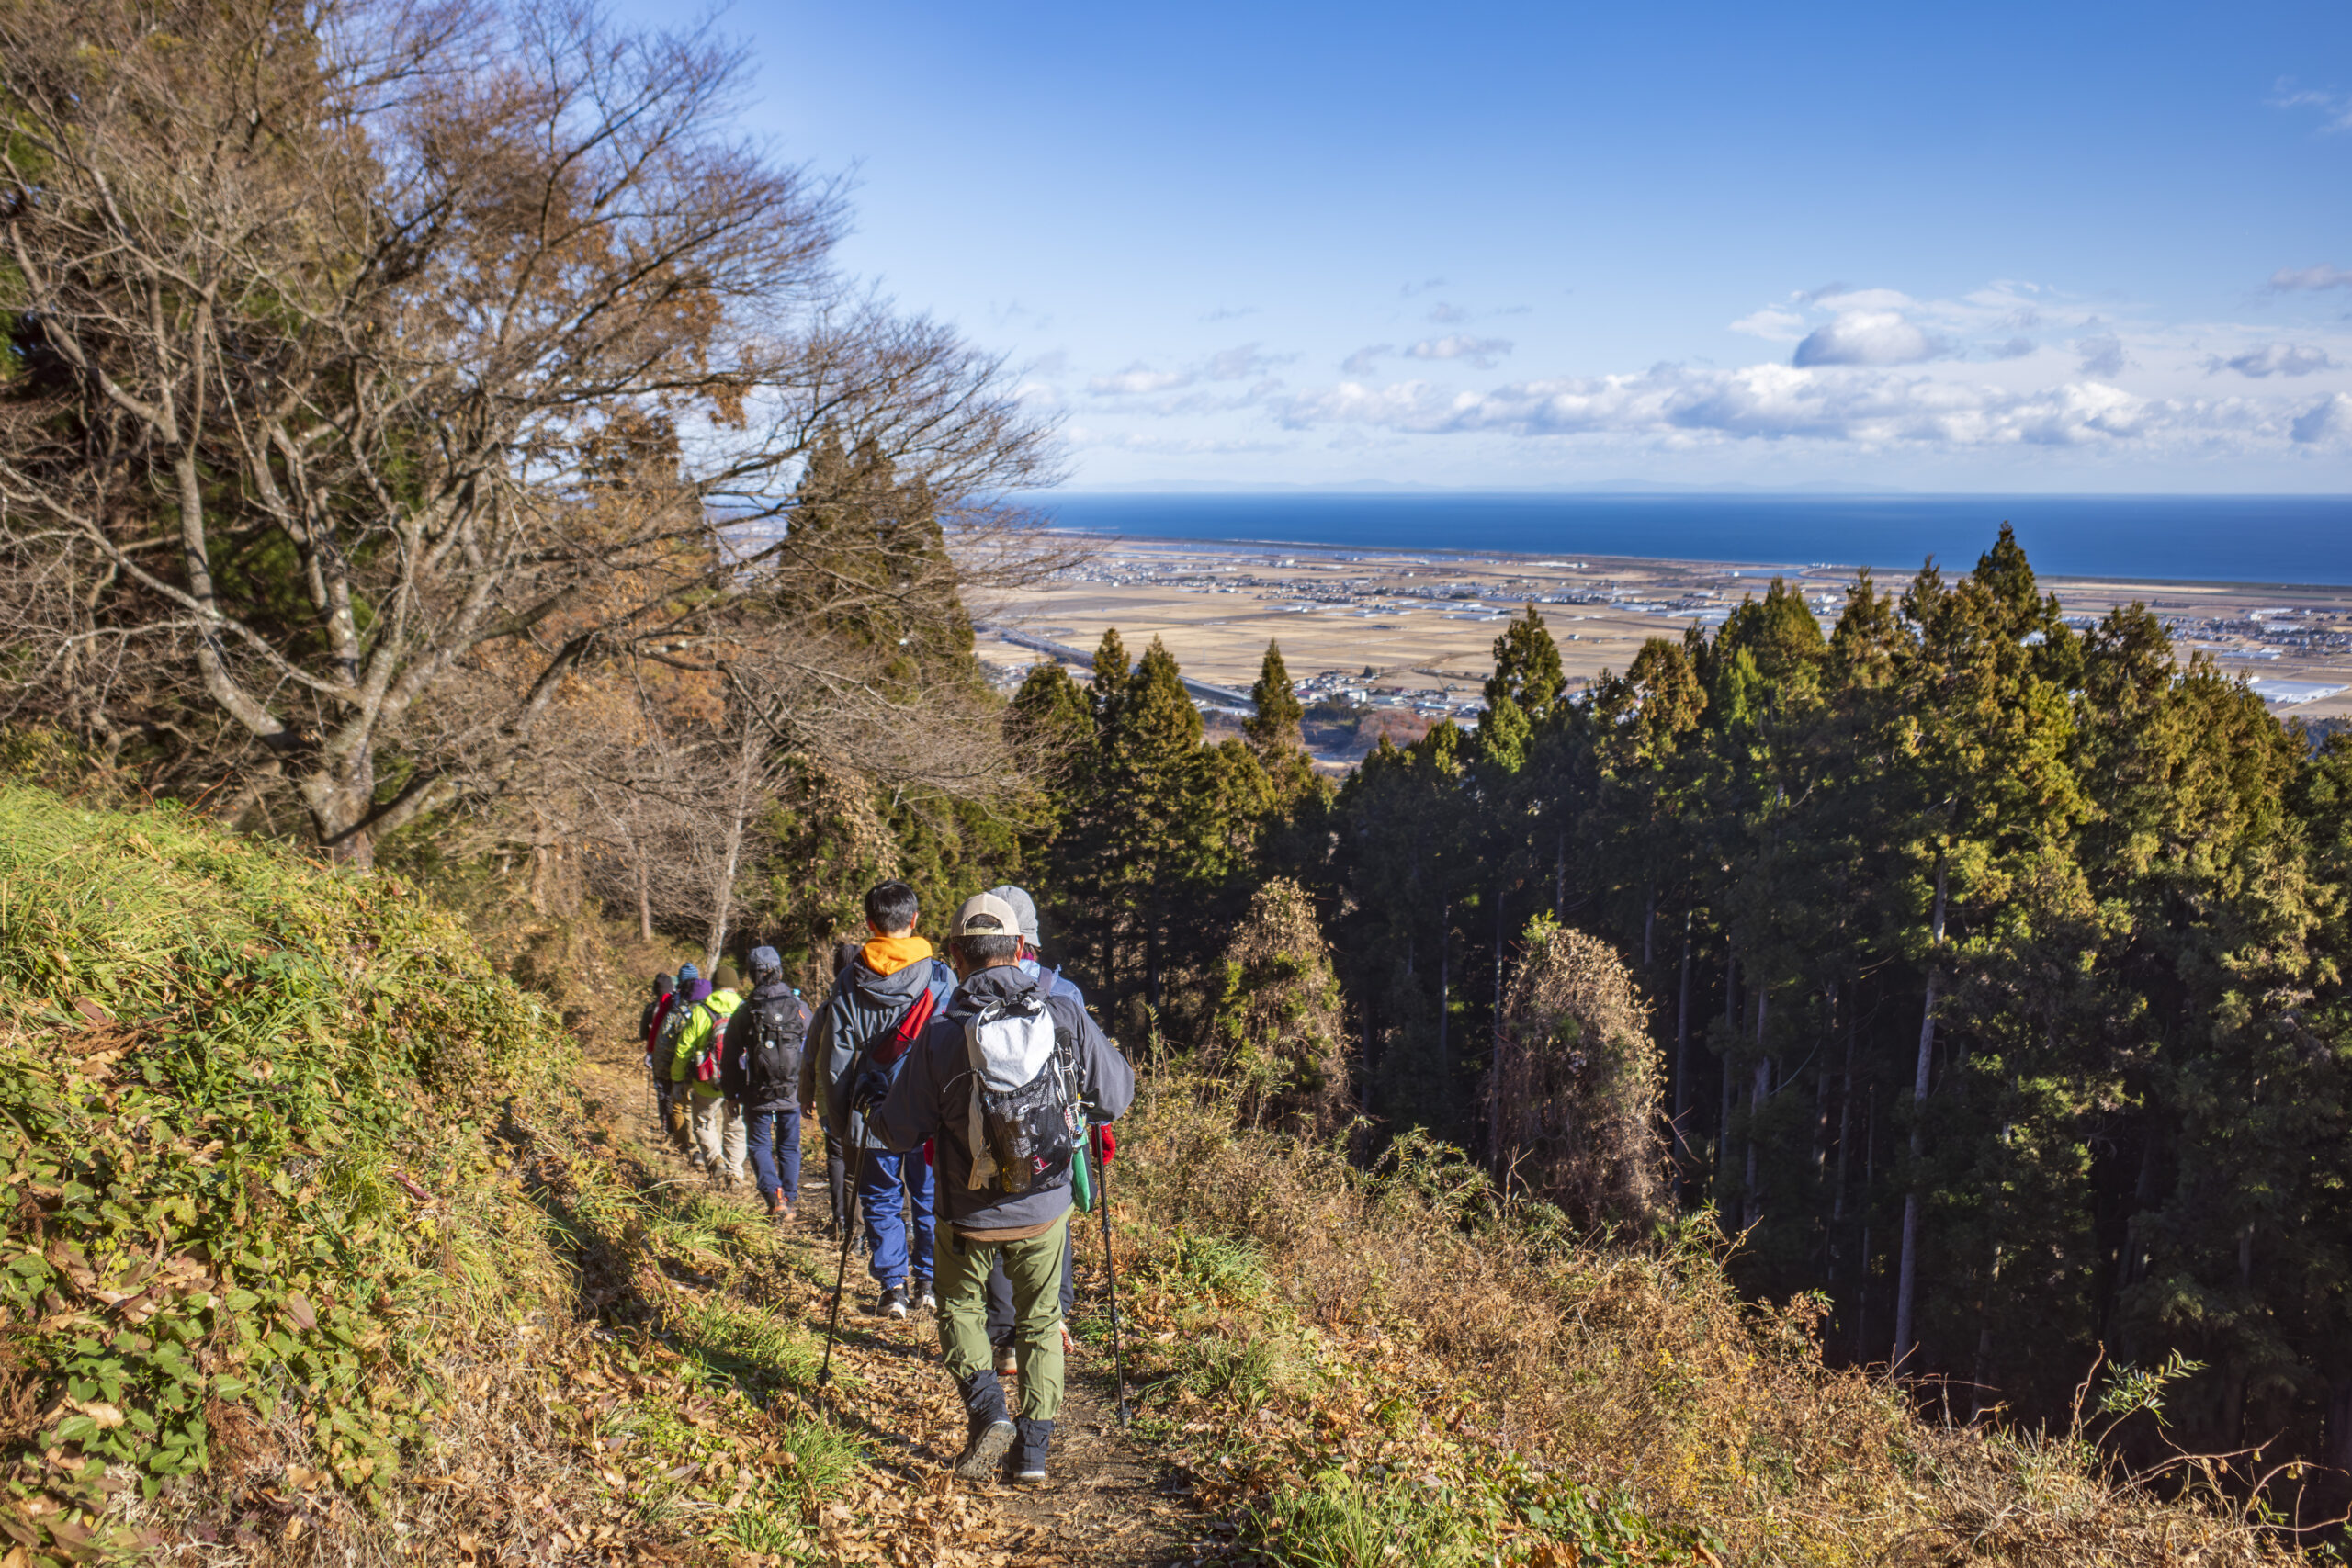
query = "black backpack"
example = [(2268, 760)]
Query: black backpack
[(665, 1043), (771, 1057)]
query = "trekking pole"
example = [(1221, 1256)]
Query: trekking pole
[(841, 1275), (1111, 1275)]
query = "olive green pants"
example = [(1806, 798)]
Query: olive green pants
[(1035, 1267)]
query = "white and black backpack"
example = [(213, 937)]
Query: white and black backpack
[(1023, 1125)]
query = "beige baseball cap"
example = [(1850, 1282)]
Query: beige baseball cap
[(985, 914)]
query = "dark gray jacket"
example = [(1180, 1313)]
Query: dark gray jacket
[(863, 1010), (933, 1094)]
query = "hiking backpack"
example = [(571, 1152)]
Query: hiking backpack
[(665, 1043), (771, 1063), (1023, 1125)]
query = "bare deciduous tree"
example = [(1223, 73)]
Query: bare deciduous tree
[(386, 367)]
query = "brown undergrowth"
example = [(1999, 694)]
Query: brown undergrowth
[(324, 1246), (1362, 1363)]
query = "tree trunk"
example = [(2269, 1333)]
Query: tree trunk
[(1560, 874), (1495, 1074), (1908, 1271), (1759, 1090), (1683, 1067), (1722, 1117), (722, 896), (1862, 1263), (644, 901), (1845, 1124), (1649, 928), (1444, 988)]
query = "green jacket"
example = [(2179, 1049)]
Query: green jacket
[(701, 1038)]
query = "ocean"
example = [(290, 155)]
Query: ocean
[(2300, 539)]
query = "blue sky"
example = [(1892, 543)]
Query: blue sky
[(2043, 247)]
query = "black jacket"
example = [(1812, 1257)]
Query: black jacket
[(931, 1095)]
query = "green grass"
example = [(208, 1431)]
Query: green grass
[(222, 1072), (1338, 1520)]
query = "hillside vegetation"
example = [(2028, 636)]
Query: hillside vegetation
[(317, 1252)]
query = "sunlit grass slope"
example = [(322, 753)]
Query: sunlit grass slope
[(314, 1253)]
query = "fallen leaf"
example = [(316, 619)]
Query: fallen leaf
[(88, 1008), (299, 1308)]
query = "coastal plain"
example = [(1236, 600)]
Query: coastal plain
[(1410, 632)]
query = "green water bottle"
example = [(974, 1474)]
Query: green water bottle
[(1082, 1172)]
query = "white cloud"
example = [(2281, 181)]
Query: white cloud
[(1138, 379), (1869, 337), (2102, 353), (2328, 420), (1838, 297), (2287, 280), (2334, 108), (1444, 314), (1363, 360), (1234, 364), (1423, 286), (1682, 405), (1482, 352), (2273, 359), (1083, 437), (1773, 324), (2016, 348), (1230, 313)]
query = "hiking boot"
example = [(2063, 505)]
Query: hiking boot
[(779, 1208), (985, 1449), (1007, 1361), (924, 1300), (1027, 1466), (893, 1303)]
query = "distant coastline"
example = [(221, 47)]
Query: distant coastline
[(2301, 540)]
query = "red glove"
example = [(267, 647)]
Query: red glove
[(1110, 1142), (926, 1150)]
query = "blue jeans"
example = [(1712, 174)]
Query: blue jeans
[(890, 1183), (770, 1134)]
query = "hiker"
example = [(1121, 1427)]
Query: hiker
[(648, 1021), (1000, 1316), (879, 1005), (846, 953), (760, 1072), (717, 1120), (662, 1054), (1018, 1073)]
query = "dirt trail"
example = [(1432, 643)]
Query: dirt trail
[(1112, 1500)]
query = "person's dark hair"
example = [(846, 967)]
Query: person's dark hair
[(891, 906), (983, 950), (846, 953)]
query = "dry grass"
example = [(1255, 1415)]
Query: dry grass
[(1635, 1368), (1575, 1104)]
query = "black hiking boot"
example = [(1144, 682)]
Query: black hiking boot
[(985, 1450), (1027, 1466), (893, 1303)]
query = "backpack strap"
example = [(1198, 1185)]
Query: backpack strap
[(901, 1040)]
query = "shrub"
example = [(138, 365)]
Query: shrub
[(1575, 1095), (1279, 1036)]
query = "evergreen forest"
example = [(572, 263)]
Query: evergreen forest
[(1995, 968)]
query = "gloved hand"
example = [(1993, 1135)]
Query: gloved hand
[(872, 1088)]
